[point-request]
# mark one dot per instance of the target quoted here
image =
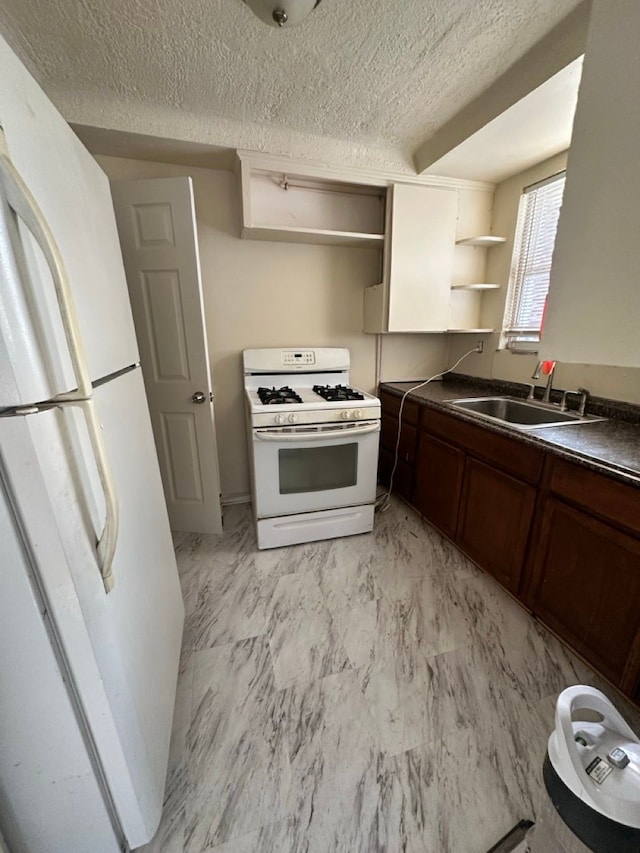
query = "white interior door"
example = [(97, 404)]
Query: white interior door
[(157, 226)]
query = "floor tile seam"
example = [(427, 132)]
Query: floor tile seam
[(218, 645), (299, 683), (323, 604), (523, 612), (191, 671), (238, 838), (376, 725), (192, 810), (427, 656), (234, 642)]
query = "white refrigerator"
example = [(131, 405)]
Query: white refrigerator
[(91, 613)]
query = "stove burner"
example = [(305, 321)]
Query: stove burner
[(278, 396), (337, 393)]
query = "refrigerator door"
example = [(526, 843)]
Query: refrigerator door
[(45, 762), (125, 672), (73, 195)]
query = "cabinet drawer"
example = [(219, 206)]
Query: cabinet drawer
[(389, 436), (514, 457), (601, 495), (391, 405)]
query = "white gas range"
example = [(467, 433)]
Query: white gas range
[(313, 446)]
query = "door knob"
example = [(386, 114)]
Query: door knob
[(199, 397)]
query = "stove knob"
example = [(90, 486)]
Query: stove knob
[(345, 414), (357, 414), (279, 419), (293, 419)]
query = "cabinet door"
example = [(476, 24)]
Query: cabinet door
[(419, 258), (403, 477), (389, 438), (438, 483), (495, 517), (590, 590)]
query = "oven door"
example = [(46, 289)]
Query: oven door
[(308, 468)]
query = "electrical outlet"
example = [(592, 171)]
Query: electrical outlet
[(480, 346)]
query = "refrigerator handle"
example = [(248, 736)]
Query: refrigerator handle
[(106, 546), (22, 202)]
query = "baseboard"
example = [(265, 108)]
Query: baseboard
[(236, 499)]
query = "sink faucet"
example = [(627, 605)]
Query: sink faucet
[(546, 397), (584, 395)]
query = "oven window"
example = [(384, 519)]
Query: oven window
[(316, 469)]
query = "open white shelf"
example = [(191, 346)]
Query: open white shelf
[(321, 236), (478, 286), (469, 331), (486, 241), (289, 206)]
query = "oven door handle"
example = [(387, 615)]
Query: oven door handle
[(285, 437)]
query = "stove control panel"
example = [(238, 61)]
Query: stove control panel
[(283, 419), (303, 357)]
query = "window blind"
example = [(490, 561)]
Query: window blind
[(535, 238)]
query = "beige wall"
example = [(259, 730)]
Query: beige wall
[(617, 383), (277, 294), (597, 245)]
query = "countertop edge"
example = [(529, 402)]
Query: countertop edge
[(620, 473)]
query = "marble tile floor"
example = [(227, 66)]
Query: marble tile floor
[(371, 693)]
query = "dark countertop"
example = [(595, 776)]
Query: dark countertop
[(610, 446)]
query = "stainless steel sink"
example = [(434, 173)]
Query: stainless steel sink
[(521, 414)]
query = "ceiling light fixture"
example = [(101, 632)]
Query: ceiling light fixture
[(282, 13)]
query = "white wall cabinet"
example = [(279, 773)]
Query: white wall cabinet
[(416, 291), (593, 313), (417, 225), (300, 203)]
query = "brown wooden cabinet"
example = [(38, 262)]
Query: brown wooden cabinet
[(403, 479), (589, 588), (439, 473), (495, 518), (585, 579)]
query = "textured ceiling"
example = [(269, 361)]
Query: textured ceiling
[(377, 74)]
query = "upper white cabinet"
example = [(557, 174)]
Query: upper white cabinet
[(422, 227), (593, 313), (415, 293), (294, 204)]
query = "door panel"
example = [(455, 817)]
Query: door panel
[(164, 317), (156, 220), (180, 443)]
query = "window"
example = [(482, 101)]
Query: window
[(531, 263)]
